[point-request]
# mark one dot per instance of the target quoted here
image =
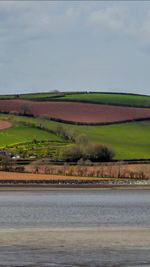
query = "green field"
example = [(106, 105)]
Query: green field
[(100, 98), (34, 96), (20, 133), (40, 96), (128, 140), (117, 99)]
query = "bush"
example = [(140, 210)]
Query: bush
[(90, 153), (98, 153), (72, 153)]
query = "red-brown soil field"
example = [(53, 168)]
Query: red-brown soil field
[(35, 177), (4, 125), (76, 112)]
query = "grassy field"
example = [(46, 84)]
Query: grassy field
[(27, 141), (40, 96), (102, 98), (128, 140), (20, 133), (45, 96), (118, 99), (33, 96)]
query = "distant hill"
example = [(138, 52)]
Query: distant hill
[(122, 99)]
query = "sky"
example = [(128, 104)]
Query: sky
[(74, 46)]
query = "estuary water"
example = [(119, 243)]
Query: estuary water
[(75, 228), (85, 208)]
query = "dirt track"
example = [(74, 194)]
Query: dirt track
[(4, 125), (76, 112)]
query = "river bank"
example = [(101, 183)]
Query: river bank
[(59, 187), (16, 181)]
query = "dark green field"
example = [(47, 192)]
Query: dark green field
[(115, 99), (45, 96)]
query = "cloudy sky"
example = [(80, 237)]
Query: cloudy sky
[(76, 45)]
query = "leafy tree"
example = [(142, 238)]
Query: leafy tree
[(98, 152), (90, 152)]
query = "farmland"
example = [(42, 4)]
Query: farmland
[(4, 124), (20, 133), (42, 125), (113, 98), (75, 112), (128, 140), (33, 96), (121, 99), (27, 141)]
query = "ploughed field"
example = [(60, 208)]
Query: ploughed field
[(11, 176), (76, 112)]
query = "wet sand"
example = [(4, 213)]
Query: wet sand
[(65, 187), (101, 246), (75, 228)]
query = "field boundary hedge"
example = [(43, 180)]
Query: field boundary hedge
[(93, 102), (98, 123), (75, 122)]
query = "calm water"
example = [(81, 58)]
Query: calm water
[(34, 228), (74, 208)]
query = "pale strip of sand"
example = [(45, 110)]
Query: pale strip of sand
[(83, 187), (84, 237)]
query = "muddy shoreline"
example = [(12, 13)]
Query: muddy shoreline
[(90, 247), (31, 187)]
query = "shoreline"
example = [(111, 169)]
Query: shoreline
[(112, 236), (53, 187), (129, 246)]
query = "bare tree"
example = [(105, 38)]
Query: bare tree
[(25, 109)]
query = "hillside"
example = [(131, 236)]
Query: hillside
[(110, 98), (122, 99), (33, 123), (128, 140)]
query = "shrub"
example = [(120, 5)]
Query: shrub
[(98, 152), (92, 152), (72, 153)]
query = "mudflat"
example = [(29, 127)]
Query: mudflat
[(100, 246), (75, 228)]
